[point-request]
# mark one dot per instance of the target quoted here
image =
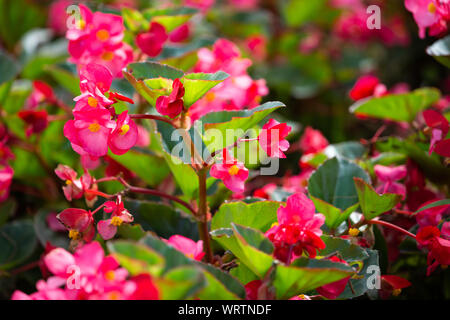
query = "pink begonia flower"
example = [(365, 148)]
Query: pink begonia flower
[(53, 222), (171, 105), (445, 230), (431, 216), (388, 177), (244, 4), (312, 141), (152, 41), (297, 230), (367, 86), (41, 92), (232, 172), (439, 129), (57, 16), (180, 33), (79, 222), (257, 45), (334, 289), (6, 175), (272, 138), (265, 191), (74, 188), (427, 15), (108, 228), (202, 5), (236, 92), (89, 275), (143, 139), (188, 247), (438, 247), (97, 38), (124, 136), (89, 131), (89, 162), (36, 121)]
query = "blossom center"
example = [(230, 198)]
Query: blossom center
[(353, 232), (234, 170), (94, 127), (81, 24), (107, 56), (114, 295), (116, 221), (396, 292), (110, 275), (68, 182), (210, 96), (124, 129), (431, 8), (74, 234), (92, 102), (102, 35)]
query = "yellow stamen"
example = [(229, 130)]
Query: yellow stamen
[(110, 275), (234, 170), (107, 56), (92, 102), (116, 221), (102, 35), (190, 255), (353, 232), (81, 24), (302, 296), (68, 182), (94, 127), (124, 129), (431, 8), (74, 234), (114, 295), (274, 224), (210, 96), (396, 292)]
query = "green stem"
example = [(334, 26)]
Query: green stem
[(203, 215)]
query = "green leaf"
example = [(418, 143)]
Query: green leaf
[(258, 215), (239, 121), (350, 150), (9, 68), (136, 258), (249, 245), (149, 167), (151, 79), (181, 283), (162, 219), (196, 85), (397, 107), (17, 243), (433, 204), (132, 232), (65, 78), (170, 18), (332, 182), (304, 275), (372, 204), (333, 216), (298, 12), (345, 249), (440, 50), (229, 287), (359, 285), (45, 234)]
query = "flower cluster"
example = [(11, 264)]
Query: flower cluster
[(98, 38), (238, 91), (430, 14), (297, 230), (96, 126), (89, 275)]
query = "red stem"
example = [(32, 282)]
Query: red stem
[(392, 226), (152, 117)]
